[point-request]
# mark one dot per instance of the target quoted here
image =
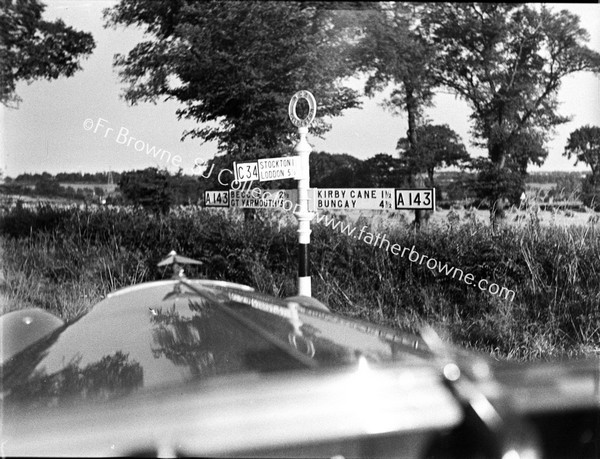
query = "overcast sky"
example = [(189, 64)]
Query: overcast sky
[(48, 130)]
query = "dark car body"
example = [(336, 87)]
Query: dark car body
[(207, 368)]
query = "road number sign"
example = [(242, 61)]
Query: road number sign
[(246, 172), (267, 169), (415, 199), (216, 198)]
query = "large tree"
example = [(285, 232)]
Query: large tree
[(392, 52), (235, 65), (32, 48), (507, 61)]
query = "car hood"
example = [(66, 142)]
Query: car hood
[(209, 367)]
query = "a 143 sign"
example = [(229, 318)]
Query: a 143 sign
[(423, 199)]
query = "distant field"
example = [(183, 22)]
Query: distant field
[(515, 217)]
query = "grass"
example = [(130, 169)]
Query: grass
[(65, 260)]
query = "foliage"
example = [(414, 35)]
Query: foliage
[(32, 48), (55, 258), (437, 146), (147, 188), (48, 188), (507, 61), (382, 171), (494, 183), (333, 170), (391, 51), (584, 145), (590, 192), (235, 65)]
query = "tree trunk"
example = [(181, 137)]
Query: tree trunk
[(497, 154), (412, 108)]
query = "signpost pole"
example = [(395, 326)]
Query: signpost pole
[(303, 215)]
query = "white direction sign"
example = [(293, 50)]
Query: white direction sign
[(415, 199), (355, 198), (216, 198), (263, 199), (278, 168), (267, 169)]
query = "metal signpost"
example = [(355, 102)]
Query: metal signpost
[(305, 200), (303, 215)]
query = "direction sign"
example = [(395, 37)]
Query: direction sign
[(263, 199), (216, 198), (355, 198), (278, 168), (415, 199)]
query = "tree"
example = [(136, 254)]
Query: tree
[(507, 61), (235, 65), (436, 146), (148, 188), (382, 170), (584, 145), (392, 51), (32, 48), (333, 170)]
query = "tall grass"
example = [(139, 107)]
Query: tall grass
[(66, 260)]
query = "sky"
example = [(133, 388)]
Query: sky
[(81, 124)]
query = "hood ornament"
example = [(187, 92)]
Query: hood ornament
[(177, 261)]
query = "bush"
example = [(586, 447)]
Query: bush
[(555, 272), (590, 193)]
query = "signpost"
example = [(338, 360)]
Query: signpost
[(303, 215), (304, 200)]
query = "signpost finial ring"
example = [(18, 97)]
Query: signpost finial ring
[(312, 109)]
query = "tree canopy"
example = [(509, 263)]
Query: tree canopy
[(148, 188), (436, 146), (507, 61), (32, 48), (234, 65), (391, 51), (584, 146)]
